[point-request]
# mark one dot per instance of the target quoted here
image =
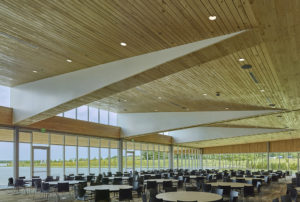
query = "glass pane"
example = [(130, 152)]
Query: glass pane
[(129, 161), (112, 118), (70, 114), (83, 160), (70, 160), (104, 160), (40, 163), (24, 159), (6, 161), (114, 160), (56, 161), (82, 113), (93, 115), (103, 116), (94, 162)]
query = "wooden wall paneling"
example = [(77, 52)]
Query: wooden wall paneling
[(152, 138), (243, 148), (72, 126), (6, 116)]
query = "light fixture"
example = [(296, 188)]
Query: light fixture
[(68, 60), (212, 17), (123, 44), (262, 90), (241, 59), (159, 98), (125, 100), (204, 94), (34, 71), (155, 110), (226, 108)]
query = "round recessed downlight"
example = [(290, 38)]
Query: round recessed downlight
[(242, 59), (34, 71), (204, 94), (123, 44), (68, 60), (212, 17)]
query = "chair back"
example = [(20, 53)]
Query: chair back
[(206, 187), (219, 191), (63, 187), (171, 189), (102, 195), (276, 200), (39, 181), (89, 178), (125, 194), (286, 198), (109, 174), (226, 190), (78, 177), (191, 189), (19, 183), (144, 198), (248, 191), (10, 181), (294, 194), (37, 184), (234, 196), (45, 187), (105, 180), (151, 185), (117, 181), (167, 184)]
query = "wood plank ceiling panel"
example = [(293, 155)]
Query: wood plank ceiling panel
[(245, 139), (41, 35)]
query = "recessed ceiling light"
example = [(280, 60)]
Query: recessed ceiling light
[(123, 44), (212, 17), (262, 90), (273, 107), (34, 71), (125, 100), (241, 59), (204, 94), (155, 110), (68, 60), (187, 109), (226, 108), (159, 98)]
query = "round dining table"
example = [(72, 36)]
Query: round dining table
[(189, 196), (234, 185), (71, 182), (112, 188), (160, 181)]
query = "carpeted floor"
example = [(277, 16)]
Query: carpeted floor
[(268, 193)]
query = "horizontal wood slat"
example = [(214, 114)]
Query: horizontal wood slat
[(6, 116), (152, 138), (66, 125)]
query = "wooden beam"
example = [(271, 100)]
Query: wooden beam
[(66, 125), (153, 138), (6, 115)]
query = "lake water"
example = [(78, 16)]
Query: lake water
[(6, 172)]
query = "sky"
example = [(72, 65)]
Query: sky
[(4, 96)]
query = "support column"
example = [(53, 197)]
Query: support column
[(120, 156), (89, 156), (171, 153), (64, 155), (16, 153), (31, 155), (268, 155), (109, 156), (201, 158), (298, 155), (76, 155), (158, 157)]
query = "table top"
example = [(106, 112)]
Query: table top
[(110, 187), (72, 182), (231, 184), (123, 178), (189, 196), (152, 175), (246, 178), (159, 181)]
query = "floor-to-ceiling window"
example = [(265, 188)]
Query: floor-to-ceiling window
[(6, 155), (70, 154), (83, 144), (24, 154), (104, 155), (94, 155), (114, 146), (56, 155)]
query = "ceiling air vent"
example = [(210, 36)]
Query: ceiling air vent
[(246, 66)]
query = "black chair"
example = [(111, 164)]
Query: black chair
[(294, 195), (102, 195), (289, 187), (191, 189), (286, 198), (171, 189), (10, 182), (153, 193), (276, 200), (167, 184), (137, 188), (62, 188), (89, 178), (152, 185), (206, 187), (125, 194), (105, 180), (78, 177), (19, 183), (144, 198), (109, 174), (226, 190), (248, 191), (117, 181), (45, 189), (37, 186), (49, 179)]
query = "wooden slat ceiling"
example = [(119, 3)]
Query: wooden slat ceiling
[(245, 139), (41, 35)]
